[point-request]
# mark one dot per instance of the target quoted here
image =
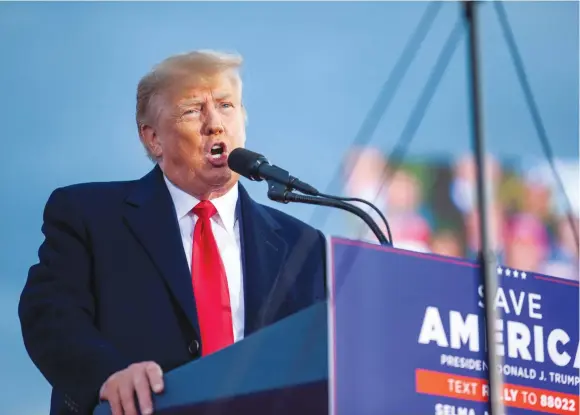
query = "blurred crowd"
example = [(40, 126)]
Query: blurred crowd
[(431, 206)]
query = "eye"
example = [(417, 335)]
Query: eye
[(190, 111), (226, 105)]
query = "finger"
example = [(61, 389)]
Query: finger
[(155, 375), (143, 389), (126, 392), (115, 401)]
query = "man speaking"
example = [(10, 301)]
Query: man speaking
[(137, 278)]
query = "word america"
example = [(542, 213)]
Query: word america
[(522, 342)]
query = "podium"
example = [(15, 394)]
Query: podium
[(401, 333), (281, 369)]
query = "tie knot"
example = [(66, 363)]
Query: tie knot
[(204, 209)]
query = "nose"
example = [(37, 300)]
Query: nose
[(213, 123)]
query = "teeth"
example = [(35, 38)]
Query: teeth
[(216, 156), (216, 150)]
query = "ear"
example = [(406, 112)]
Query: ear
[(150, 140)]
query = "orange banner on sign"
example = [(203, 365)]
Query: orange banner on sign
[(473, 389)]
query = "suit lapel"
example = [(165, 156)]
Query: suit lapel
[(151, 216), (263, 253)]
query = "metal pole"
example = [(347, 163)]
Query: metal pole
[(488, 255)]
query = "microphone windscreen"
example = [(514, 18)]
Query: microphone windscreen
[(245, 162)]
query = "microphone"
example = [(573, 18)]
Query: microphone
[(256, 167)]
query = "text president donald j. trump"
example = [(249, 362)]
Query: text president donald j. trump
[(136, 278)]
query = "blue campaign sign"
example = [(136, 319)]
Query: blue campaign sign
[(407, 336)]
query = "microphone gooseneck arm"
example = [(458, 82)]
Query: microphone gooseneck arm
[(281, 176), (366, 202), (280, 193), (256, 167)]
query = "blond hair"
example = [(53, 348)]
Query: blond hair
[(200, 66)]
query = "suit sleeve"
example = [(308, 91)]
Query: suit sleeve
[(57, 309)]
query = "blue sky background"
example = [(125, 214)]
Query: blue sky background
[(68, 74)]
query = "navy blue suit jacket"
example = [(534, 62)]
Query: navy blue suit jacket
[(112, 286)]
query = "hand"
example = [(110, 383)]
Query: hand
[(140, 378)]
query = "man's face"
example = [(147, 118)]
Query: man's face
[(194, 129)]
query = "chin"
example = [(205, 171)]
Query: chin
[(221, 177)]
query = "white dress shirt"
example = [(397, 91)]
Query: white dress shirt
[(225, 227)]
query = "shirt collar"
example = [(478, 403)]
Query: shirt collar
[(225, 205)]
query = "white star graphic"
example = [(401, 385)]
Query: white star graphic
[(499, 271), (516, 273), (508, 272), (524, 275)]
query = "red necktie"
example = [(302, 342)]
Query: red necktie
[(210, 284)]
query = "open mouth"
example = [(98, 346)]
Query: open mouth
[(217, 155), (217, 151)]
